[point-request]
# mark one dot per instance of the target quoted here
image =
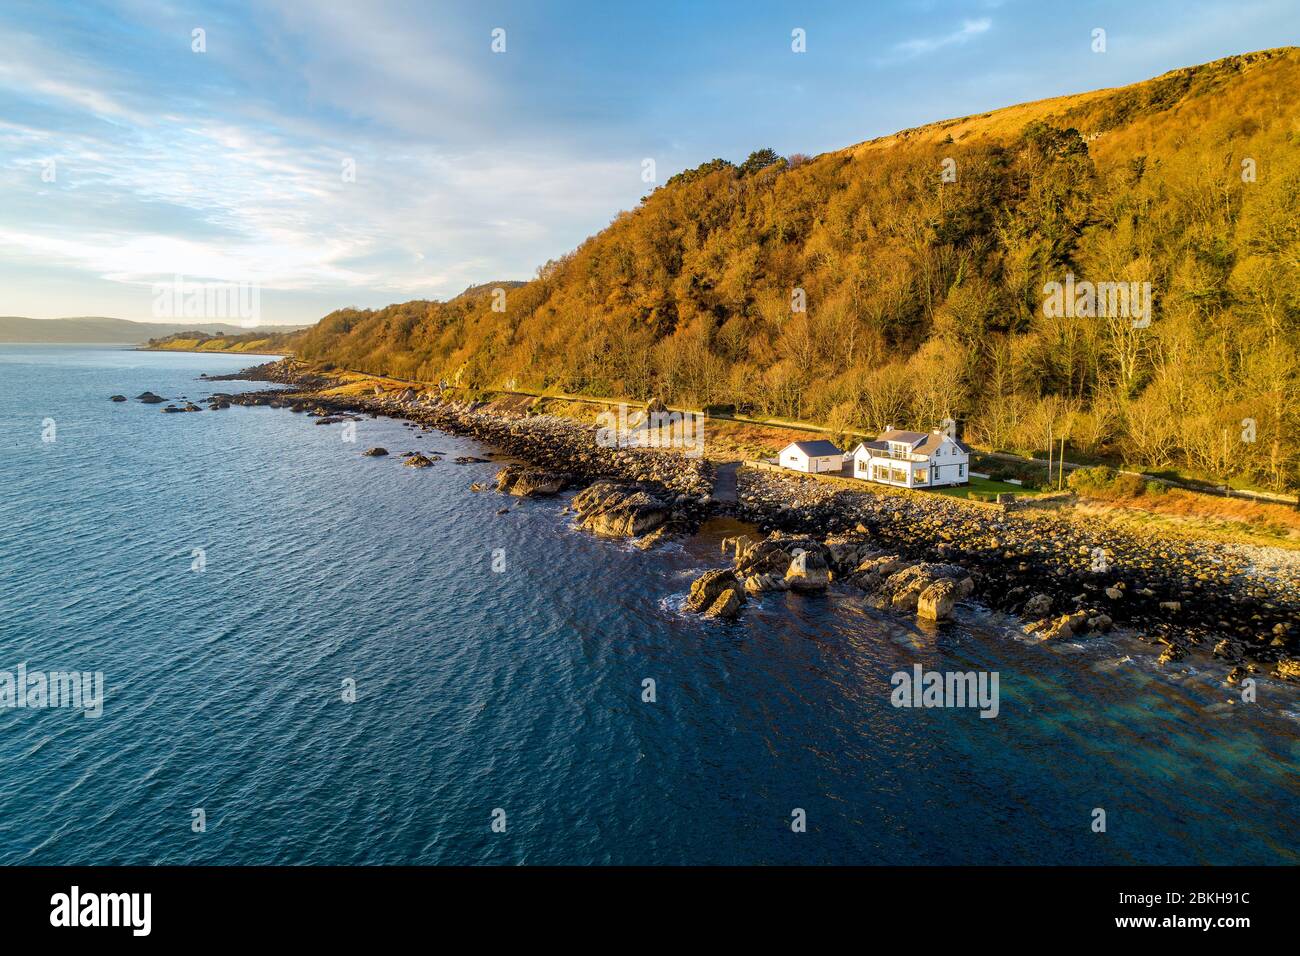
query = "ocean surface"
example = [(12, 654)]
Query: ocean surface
[(499, 665)]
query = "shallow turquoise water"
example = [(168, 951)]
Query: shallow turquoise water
[(522, 690)]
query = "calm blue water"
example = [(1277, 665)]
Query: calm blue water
[(522, 690)]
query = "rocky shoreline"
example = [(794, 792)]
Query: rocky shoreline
[(907, 552)]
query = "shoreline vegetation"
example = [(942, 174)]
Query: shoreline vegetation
[(1062, 577)]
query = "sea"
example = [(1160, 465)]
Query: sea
[(310, 656)]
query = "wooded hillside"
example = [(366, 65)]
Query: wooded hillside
[(924, 297)]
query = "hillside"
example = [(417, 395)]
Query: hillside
[(925, 292), (98, 330), (261, 342)]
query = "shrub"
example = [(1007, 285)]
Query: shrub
[(1034, 480), (1091, 481), (1104, 482), (1128, 486)]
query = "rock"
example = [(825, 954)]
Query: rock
[(469, 460), (808, 571), (475, 486), (709, 586), (1114, 593), (172, 408), (655, 537), (846, 551), (758, 583), (375, 452), (117, 398), (1288, 669), (727, 605), (1172, 606), (775, 555), (1236, 674), (1227, 649), (529, 482), (740, 544), (622, 509), (417, 461), (1040, 605), (936, 602), (1067, 625), (1173, 653), (149, 398), (902, 589), (1099, 624)]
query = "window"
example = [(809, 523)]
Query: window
[(961, 471)]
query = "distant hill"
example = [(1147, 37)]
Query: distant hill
[(904, 281), (100, 330), (259, 342)]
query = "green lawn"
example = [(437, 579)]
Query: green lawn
[(982, 484)]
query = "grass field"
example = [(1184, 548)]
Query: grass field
[(985, 485)]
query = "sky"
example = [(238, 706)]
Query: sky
[(362, 153)]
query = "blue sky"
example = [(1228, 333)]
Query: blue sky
[(227, 165)]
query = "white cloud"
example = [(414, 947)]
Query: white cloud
[(251, 194), (923, 45)]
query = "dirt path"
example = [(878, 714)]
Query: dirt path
[(724, 482)]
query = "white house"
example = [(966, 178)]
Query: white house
[(913, 459), (811, 456)]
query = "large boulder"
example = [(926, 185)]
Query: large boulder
[(524, 482), (622, 509), (656, 537), (740, 544), (936, 602), (1040, 605), (1288, 669), (1173, 653), (775, 555), (709, 586), (758, 583), (902, 590), (808, 571), (874, 570), (846, 551), (1067, 625), (727, 605), (149, 398)]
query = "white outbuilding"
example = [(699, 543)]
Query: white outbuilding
[(913, 459), (812, 457)]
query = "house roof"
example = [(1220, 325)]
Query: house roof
[(910, 438), (816, 449), (921, 443)]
